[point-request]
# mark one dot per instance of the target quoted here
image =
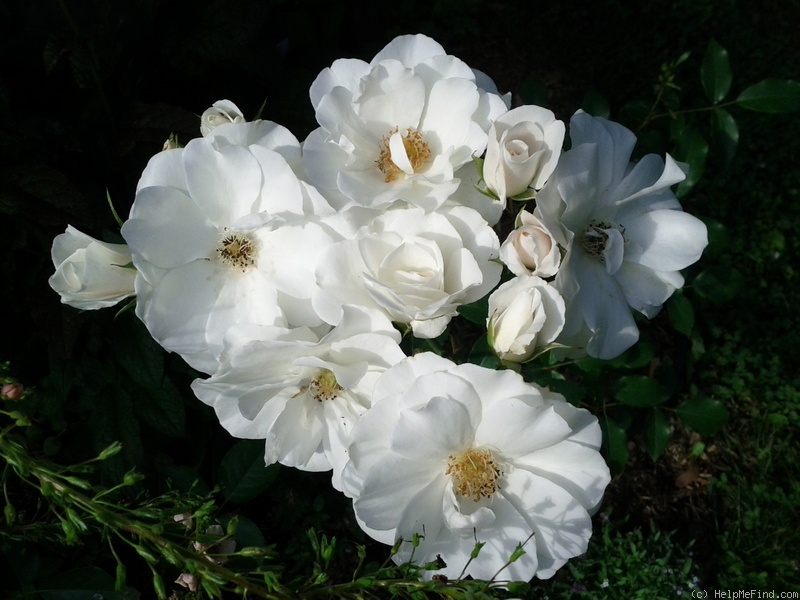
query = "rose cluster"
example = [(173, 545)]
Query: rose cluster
[(288, 272)]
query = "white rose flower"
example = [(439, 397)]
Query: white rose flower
[(300, 393), (221, 112), (223, 233), (626, 236), (530, 249), (397, 128), (522, 151), (90, 274), (417, 268), (525, 313), (463, 454)]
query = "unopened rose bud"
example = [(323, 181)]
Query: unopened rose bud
[(530, 249), (522, 151), (525, 313), (12, 391), (221, 112), (90, 274)]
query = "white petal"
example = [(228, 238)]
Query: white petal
[(345, 72), (448, 115), (578, 469), (392, 97), (409, 50), (164, 169), (437, 429), (519, 429), (561, 524), (390, 486), (665, 240), (225, 183), (168, 229), (645, 289)]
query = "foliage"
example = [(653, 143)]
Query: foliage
[(637, 563)]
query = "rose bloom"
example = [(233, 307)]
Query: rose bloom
[(222, 232), (522, 152), (624, 231), (530, 249), (525, 313), (461, 454), (299, 392), (417, 268), (397, 128), (90, 274)]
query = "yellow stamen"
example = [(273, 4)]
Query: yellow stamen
[(416, 148), (475, 473), (237, 250)]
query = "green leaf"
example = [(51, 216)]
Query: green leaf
[(476, 312), (639, 390), (705, 415), (681, 314), (638, 355), (574, 392), (693, 150), (615, 442), (635, 111), (596, 104), (719, 284), (724, 135), (771, 96), (715, 72), (718, 238), (243, 474), (483, 355), (656, 433)]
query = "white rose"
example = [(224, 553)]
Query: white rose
[(625, 234), (523, 149), (416, 268), (220, 113), (463, 454), (90, 274), (397, 128), (524, 314), (530, 249)]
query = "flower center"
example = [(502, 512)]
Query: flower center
[(475, 473), (595, 239), (324, 386), (409, 149), (237, 250)]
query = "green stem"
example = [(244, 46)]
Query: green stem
[(67, 496), (651, 117)]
